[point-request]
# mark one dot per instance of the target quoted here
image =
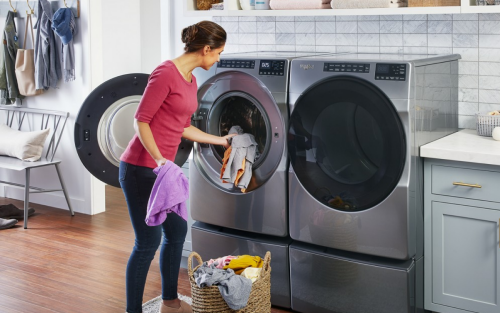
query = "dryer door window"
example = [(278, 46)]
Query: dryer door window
[(346, 143)]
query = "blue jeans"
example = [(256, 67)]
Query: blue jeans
[(137, 183)]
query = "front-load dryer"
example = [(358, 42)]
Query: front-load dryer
[(355, 178), (249, 90)]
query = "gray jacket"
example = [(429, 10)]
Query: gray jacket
[(47, 60), (9, 89), (243, 147)]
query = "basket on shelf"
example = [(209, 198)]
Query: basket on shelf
[(209, 299), (485, 124), (433, 3), (205, 4)]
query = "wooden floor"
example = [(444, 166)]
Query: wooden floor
[(72, 264)]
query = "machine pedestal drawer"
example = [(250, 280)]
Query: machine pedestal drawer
[(327, 281), (211, 242)]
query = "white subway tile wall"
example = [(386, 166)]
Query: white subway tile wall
[(476, 37)]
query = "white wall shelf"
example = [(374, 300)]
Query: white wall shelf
[(467, 6)]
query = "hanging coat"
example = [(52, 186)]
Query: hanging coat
[(9, 90), (47, 60)]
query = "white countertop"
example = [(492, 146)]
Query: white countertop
[(465, 146)]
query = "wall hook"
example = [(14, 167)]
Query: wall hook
[(31, 9), (13, 9)]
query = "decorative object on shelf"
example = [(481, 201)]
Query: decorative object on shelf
[(262, 5), (232, 5), (217, 6), (496, 133), (433, 3), (205, 4), (485, 123), (487, 2), (247, 4), (365, 4), (300, 4)]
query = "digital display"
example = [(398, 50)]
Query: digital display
[(383, 68), (272, 67)]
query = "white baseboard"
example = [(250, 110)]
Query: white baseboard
[(53, 199)]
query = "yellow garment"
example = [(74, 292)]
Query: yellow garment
[(243, 261), (224, 163), (252, 273)]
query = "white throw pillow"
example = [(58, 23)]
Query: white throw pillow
[(27, 146)]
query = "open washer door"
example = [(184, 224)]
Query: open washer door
[(104, 126), (236, 98)]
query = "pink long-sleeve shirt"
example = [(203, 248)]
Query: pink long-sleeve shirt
[(167, 105)]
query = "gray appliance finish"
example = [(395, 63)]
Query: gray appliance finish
[(365, 127), (213, 241), (329, 280), (248, 88), (356, 176)]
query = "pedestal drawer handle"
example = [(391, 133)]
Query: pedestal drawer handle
[(467, 185)]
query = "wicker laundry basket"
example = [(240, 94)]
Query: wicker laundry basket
[(209, 299), (433, 3)]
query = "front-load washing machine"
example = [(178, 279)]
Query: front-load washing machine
[(355, 178), (249, 90)]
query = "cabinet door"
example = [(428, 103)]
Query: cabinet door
[(465, 264)]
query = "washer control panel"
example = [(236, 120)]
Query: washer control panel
[(272, 67), (346, 67), (390, 72), (236, 63)]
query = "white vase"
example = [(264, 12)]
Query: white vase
[(232, 4), (247, 4)]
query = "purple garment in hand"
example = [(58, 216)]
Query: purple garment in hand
[(169, 194)]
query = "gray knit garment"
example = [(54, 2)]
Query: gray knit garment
[(235, 289), (243, 146)]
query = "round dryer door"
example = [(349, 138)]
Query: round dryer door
[(346, 143), (236, 98), (104, 126)]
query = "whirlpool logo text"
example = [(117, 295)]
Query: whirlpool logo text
[(306, 66)]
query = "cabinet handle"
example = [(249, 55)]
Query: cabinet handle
[(467, 185), (499, 232)]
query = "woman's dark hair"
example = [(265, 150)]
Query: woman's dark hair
[(204, 33)]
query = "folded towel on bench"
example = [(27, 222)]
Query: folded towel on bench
[(299, 4)]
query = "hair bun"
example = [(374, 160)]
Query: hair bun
[(189, 34)]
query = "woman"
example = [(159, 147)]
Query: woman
[(162, 118)]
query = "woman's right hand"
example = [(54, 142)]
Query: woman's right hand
[(225, 142), (161, 161)]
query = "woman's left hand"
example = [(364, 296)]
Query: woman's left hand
[(226, 140)]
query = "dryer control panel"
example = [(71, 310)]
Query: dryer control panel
[(236, 63), (390, 72), (347, 67)]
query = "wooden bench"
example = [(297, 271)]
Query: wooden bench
[(27, 119)]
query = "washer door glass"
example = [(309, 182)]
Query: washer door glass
[(236, 98), (346, 143), (236, 108)]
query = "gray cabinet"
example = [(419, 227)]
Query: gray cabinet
[(462, 237)]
